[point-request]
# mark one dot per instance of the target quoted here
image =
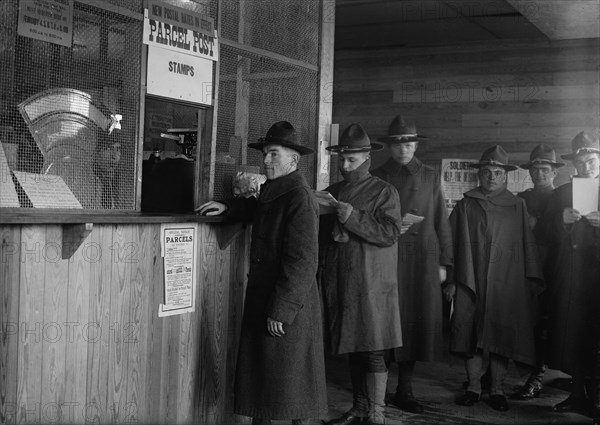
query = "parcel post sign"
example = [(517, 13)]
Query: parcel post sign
[(180, 30)]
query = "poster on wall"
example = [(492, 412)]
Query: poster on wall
[(180, 30), (457, 178), (178, 250), (47, 20), (178, 76)]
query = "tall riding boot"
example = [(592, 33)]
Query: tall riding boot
[(404, 398), (595, 393), (360, 403), (376, 384)]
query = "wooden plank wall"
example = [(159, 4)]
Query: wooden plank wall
[(470, 96), (81, 341)]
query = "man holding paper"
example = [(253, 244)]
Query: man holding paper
[(424, 252), (573, 224), (358, 254)]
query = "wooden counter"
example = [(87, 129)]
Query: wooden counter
[(81, 338)]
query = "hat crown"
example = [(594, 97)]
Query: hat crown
[(284, 134), (400, 127), (586, 142), (355, 136), (542, 153), (495, 155), (281, 131)]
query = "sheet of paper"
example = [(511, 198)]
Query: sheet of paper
[(585, 195), (8, 193), (178, 249), (325, 198), (412, 219), (47, 190)]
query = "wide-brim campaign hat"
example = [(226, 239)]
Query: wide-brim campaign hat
[(354, 139), (284, 134), (583, 143), (542, 154), (401, 131), (495, 156)]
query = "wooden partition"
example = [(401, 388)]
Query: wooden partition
[(81, 340), (470, 96)]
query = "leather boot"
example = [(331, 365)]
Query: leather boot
[(360, 404), (376, 385), (595, 390)]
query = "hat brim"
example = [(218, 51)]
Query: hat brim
[(495, 164), (260, 145), (401, 139), (528, 165), (571, 156), (373, 147)]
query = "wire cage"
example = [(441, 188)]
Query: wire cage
[(73, 111)]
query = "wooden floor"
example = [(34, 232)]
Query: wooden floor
[(438, 384)]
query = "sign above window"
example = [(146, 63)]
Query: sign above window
[(177, 76), (180, 30)]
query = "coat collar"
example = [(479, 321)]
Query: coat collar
[(503, 199), (393, 168), (361, 173), (273, 189)]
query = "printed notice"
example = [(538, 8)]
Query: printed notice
[(8, 194), (180, 30), (178, 249), (47, 190), (47, 20), (585, 195), (457, 178)]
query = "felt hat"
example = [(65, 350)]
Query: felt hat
[(354, 139), (496, 156), (284, 134), (400, 130), (583, 143), (542, 154)]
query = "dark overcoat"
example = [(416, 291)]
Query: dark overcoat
[(282, 377), (358, 276), (421, 251), (574, 291), (497, 275)]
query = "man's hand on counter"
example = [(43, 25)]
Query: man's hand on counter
[(211, 208)]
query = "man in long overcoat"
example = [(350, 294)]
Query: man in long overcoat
[(542, 168), (280, 370), (424, 252), (359, 274), (574, 291), (495, 280)]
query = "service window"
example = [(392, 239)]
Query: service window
[(69, 105)]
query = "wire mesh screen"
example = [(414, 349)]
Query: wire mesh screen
[(255, 92), (286, 27), (62, 107)]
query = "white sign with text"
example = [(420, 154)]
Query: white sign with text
[(179, 76)]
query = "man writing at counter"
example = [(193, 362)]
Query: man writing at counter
[(280, 370)]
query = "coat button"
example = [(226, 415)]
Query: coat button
[(574, 246)]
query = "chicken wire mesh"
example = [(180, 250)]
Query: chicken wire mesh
[(256, 90), (254, 93), (61, 105)]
